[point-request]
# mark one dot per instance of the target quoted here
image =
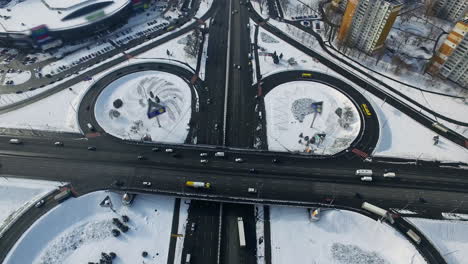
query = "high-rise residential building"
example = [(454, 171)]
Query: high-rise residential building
[(340, 4), (366, 23), (451, 60), (453, 10)]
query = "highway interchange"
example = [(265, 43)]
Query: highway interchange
[(296, 179)]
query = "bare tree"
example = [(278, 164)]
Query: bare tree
[(192, 44), (429, 7)]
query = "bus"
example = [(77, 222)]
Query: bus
[(240, 226), (414, 236), (64, 194), (366, 110), (306, 75)]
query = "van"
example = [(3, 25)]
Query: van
[(363, 172), (389, 175), (187, 259), (15, 141), (366, 178), (90, 127), (219, 154)]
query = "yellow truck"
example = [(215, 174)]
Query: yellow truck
[(193, 184)]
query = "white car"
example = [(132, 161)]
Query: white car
[(252, 190), (204, 154), (366, 178), (147, 183), (389, 175), (15, 141), (204, 161), (169, 150), (239, 160), (39, 204)]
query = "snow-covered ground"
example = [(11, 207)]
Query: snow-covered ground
[(292, 123), (260, 232), (340, 237), (18, 195), (17, 77), (294, 8), (454, 108), (79, 229), (54, 113), (130, 121), (400, 136), (58, 112), (183, 215), (449, 237)]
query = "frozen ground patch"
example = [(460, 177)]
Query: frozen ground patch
[(293, 125), (340, 237), (135, 90), (449, 237), (18, 194), (78, 230)]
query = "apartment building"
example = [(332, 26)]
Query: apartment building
[(452, 10), (340, 4), (451, 60), (366, 23)]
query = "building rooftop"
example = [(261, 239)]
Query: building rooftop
[(20, 17)]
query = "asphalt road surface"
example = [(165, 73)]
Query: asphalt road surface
[(202, 233), (231, 250)]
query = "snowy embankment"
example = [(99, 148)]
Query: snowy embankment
[(340, 237), (400, 136), (18, 195), (78, 230), (293, 125), (449, 237), (135, 91)]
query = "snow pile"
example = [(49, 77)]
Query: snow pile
[(78, 230), (130, 121), (17, 77), (293, 125), (340, 237), (449, 237), (18, 194)]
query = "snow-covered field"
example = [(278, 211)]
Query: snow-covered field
[(292, 124), (449, 237), (54, 113), (17, 77), (18, 195), (130, 121), (340, 237), (79, 229)]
